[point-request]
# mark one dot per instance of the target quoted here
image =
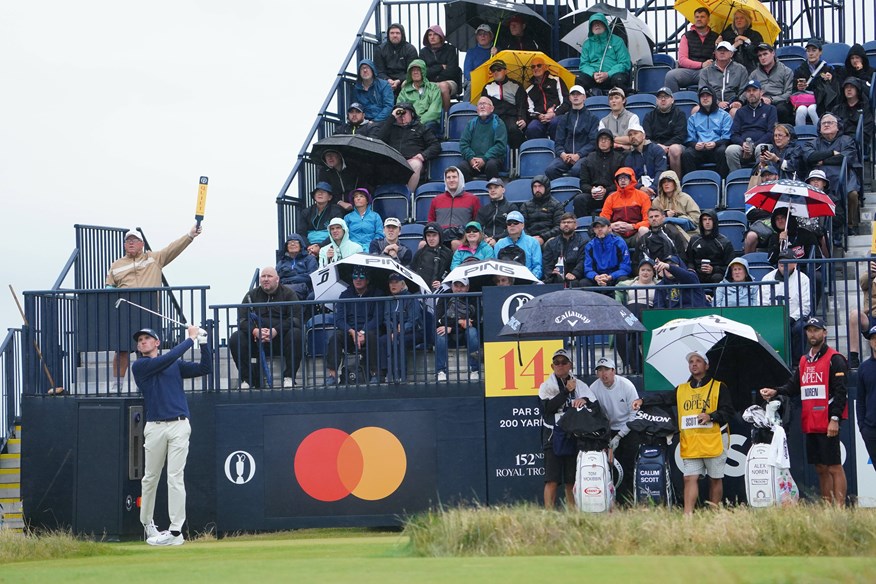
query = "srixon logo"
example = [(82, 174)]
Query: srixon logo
[(640, 415)]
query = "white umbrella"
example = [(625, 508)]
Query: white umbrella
[(330, 281), (640, 37), (490, 268), (671, 343)]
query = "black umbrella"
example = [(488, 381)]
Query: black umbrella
[(746, 366), (569, 313), (463, 17), (375, 158)]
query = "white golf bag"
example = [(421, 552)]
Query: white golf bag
[(594, 488), (768, 480)]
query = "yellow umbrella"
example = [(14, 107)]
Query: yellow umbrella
[(519, 69), (722, 12)]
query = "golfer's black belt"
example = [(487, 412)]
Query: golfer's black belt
[(174, 419)]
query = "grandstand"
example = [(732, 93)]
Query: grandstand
[(452, 422)]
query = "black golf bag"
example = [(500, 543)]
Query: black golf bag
[(352, 372), (651, 477)]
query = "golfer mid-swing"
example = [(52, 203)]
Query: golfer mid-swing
[(166, 436)]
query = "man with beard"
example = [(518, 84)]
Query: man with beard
[(563, 255), (542, 212), (820, 380), (597, 175), (393, 56)]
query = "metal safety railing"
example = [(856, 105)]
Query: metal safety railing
[(85, 336), (10, 382)]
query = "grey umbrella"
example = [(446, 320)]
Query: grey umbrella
[(569, 313)]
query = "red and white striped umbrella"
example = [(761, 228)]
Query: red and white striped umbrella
[(802, 199)]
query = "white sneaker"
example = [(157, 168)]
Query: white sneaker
[(474, 376), (244, 385), (288, 382), (442, 376), (151, 530), (166, 538), (116, 387)]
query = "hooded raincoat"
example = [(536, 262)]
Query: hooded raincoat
[(726, 296), (628, 204), (344, 249), (617, 56), (426, 98), (378, 98)]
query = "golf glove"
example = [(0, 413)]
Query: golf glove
[(202, 336), (615, 442)]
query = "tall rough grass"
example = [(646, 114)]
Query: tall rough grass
[(25, 547), (804, 530)]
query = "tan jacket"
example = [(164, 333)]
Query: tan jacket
[(144, 271), (682, 203), (868, 282)]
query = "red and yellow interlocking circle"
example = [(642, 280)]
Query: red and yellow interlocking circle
[(369, 464)]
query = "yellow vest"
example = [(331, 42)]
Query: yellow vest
[(698, 441)]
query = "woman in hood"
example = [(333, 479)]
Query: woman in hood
[(373, 93), (681, 210), (423, 94), (742, 295), (851, 105), (605, 59), (858, 65), (363, 224), (473, 245), (296, 265), (339, 246)]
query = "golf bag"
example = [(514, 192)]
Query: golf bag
[(594, 488), (651, 478), (352, 372), (768, 480)]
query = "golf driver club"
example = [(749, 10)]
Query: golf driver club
[(167, 318)]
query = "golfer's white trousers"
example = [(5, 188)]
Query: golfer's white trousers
[(166, 440)]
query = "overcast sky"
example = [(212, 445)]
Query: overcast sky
[(112, 110)]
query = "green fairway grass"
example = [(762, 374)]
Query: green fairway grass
[(386, 559)]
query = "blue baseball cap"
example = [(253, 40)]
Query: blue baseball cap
[(146, 331), (515, 216), (322, 186)]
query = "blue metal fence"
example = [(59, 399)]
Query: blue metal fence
[(10, 382)]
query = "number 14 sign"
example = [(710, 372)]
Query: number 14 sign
[(509, 373)]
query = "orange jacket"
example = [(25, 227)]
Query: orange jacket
[(629, 204)]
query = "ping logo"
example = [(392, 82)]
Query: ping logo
[(369, 464)]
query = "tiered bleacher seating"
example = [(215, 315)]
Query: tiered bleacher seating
[(835, 53), (584, 224), (457, 118), (650, 78), (640, 104), (423, 198), (792, 56), (392, 201), (734, 189), (450, 156), (685, 101), (565, 188), (534, 156), (411, 235), (704, 187), (518, 191), (733, 225), (597, 105)]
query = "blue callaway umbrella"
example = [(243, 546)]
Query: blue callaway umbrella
[(570, 313)]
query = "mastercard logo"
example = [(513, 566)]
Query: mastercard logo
[(369, 464)]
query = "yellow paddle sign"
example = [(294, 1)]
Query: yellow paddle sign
[(202, 200)]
